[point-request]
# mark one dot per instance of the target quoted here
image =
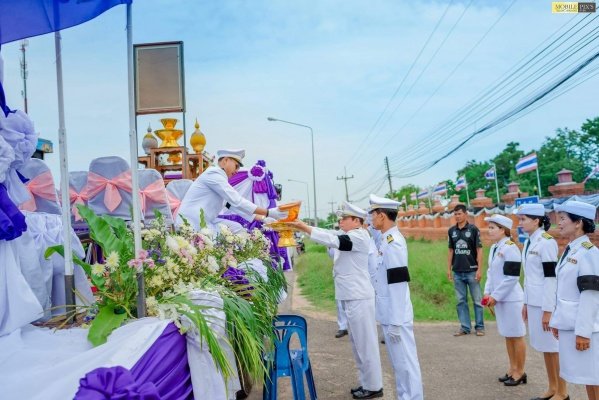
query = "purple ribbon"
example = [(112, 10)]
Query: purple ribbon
[(162, 373), (236, 276), (12, 220)]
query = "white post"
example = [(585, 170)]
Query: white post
[(64, 185), (539, 182), (141, 296), (496, 184), (467, 195)]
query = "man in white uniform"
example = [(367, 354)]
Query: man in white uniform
[(212, 191), (393, 304), (341, 317), (354, 290)]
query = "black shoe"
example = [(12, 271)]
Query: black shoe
[(356, 389), (542, 398), (368, 394), (382, 341), (340, 333), (504, 378), (516, 382)]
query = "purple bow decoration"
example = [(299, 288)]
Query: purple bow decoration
[(115, 383)]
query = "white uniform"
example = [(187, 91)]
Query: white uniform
[(341, 317), (577, 311), (211, 192), (354, 290), (539, 261), (503, 285), (394, 311)]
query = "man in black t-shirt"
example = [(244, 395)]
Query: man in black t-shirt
[(464, 268)]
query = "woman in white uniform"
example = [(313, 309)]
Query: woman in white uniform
[(539, 260), (575, 321), (503, 291)]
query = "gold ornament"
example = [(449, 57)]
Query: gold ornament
[(197, 139), (169, 136)]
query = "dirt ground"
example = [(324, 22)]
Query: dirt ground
[(465, 367)]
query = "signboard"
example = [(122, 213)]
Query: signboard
[(159, 78), (522, 236)]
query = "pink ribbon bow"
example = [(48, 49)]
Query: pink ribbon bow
[(40, 186), (112, 198), (77, 198), (175, 203), (153, 192)]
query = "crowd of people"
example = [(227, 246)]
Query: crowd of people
[(558, 303)]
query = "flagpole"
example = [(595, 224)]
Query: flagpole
[(467, 195), (539, 181), (496, 184)]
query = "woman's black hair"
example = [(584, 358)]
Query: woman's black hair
[(588, 226), (544, 221)]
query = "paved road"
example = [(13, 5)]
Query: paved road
[(453, 368)]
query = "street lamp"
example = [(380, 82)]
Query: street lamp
[(313, 168), (307, 192)]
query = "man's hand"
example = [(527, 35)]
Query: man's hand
[(545, 321), (450, 276), (555, 333), (277, 214), (269, 220), (478, 275), (491, 302), (582, 343), (300, 226), (524, 313)]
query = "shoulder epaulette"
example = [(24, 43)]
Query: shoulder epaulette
[(389, 238), (587, 245), (509, 242), (547, 236)]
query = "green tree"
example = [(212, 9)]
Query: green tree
[(589, 150), (406, 191), (558, 152), (474, 172)]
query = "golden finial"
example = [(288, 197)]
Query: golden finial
[(197, 139)]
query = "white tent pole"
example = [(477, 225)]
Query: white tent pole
[(141, 296), (64, 182)]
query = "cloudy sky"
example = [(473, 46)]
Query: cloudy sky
[(333, 65)]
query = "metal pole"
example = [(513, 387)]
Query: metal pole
[(141, 294), (467, 195), (69, 283), (388, 175), (496, 184), (24, 44), (539, 182)]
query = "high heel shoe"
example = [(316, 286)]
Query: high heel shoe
[(516, 382), (503, 378)]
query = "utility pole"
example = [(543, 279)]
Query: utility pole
[(332, 203), (388, 175), (24, 44), (345, 178)]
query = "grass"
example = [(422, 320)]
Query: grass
[(433, 296)]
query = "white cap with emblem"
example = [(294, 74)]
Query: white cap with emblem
[(236, 154), (534, 209), (349, 210), (500, 220), (377, 202), (579, 208)]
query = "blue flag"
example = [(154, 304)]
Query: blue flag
[(20, 19)]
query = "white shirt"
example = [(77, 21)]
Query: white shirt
[(350, 268), (576, 310), (211, 192), (503, 273), (392, 301), (539, 259)]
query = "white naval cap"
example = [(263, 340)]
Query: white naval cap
[(500, 220), (349, 210), (535, 209), (579, 208), (236, 154), (377, 202)]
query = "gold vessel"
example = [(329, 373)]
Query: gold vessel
[(197, 139), (285, 230), (169, 136)]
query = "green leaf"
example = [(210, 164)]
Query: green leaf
[(105, 322), (98, 281), (102, 232)]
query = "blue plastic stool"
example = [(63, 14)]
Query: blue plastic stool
[(285, 361)]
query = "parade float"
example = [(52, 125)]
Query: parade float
[(140, 309)]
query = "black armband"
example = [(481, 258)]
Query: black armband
[(227, 205), (398, 275), (549, 269), (511, 268), (345, 243), (588, 282)]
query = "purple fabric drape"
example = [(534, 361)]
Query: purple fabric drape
[(162, 373), (12, 220)]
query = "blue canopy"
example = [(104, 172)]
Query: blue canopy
[(20, 19)]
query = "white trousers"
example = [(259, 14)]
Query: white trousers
[(341, 317), (404, 358), (364, 342)]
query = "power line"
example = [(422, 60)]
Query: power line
[(345, 178)]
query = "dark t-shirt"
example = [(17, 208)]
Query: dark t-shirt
[(465, 243)]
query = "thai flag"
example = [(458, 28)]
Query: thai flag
[(490, 174), (441, 188), (413, 196), (527, 164), (593, 173), (460, 183), (422, 194)]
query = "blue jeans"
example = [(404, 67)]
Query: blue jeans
[(461, 282)]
